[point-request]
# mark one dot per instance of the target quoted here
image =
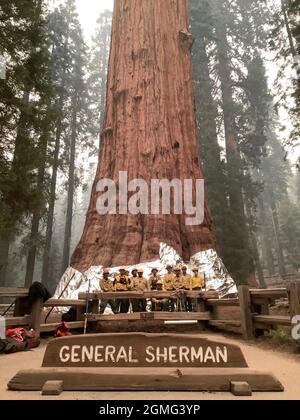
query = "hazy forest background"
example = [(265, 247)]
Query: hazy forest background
[(246, 60)]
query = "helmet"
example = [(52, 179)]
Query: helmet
[(140, 270), (106, 271)]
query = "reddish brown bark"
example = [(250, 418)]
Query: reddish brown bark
[(149, 131)]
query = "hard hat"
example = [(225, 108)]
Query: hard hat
[(122, 269), (134, 269), (106, 271), (195, 268), (140, 270)]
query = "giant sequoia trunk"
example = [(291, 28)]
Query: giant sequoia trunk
[(149, 131)]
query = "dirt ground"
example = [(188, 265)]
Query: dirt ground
[(286, 367)]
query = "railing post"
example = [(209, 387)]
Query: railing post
[(36, 314), (246, 314), (294, 298)]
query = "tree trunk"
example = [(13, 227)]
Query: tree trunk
[(20, 161), (52, 198), (288, 29), (37, 214), (234, 163), (4, 251), (71, 182), (275, 220), (208, 142), (149, 131), (266, 247)]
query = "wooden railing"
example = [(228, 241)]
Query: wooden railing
[(248, 315), (32, 317), (255, 308)]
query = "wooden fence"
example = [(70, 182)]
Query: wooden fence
[(248, 315)]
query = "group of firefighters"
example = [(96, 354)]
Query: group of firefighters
[(176, 279)]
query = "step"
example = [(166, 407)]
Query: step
[(164, 316)]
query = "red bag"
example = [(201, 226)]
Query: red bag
[(62, 330), (20, 335), (16, 333), (32, 339)]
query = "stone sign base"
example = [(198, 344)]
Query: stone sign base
[(144, 362)]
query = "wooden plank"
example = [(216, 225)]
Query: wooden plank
[(164, 316), (13, 292), (18, 321), (246, 316), (227, 325), (273, 320), (223, 302), (52, 303), (269, 293), (182, 316), (52, 326), (114, 317), (127, 295), (147, 379), (146, 295)]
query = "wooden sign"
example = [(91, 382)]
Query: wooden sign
[(141, 350), (150, 362)]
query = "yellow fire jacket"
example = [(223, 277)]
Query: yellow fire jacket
[(107, 286), (178, 283), (140, 284), (122, 283), (168, 280), (198, 282), (187, 281)]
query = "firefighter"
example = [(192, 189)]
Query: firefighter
[(198, 281), (156, 284), (168, 281), (169, 278), (197, 284), (154, 278), (107, 286), (187, 284), (179, 287), (122, 283), (140, 284)]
